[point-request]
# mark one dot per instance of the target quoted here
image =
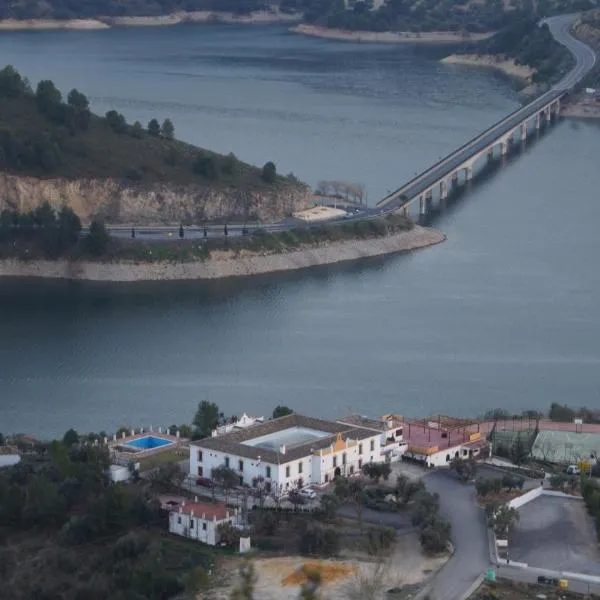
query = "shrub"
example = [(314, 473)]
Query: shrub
[(319, 541)]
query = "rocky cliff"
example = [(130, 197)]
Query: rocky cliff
[(145, 204)]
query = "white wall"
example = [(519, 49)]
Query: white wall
[(8, 460), (195, 527), (286, 474)]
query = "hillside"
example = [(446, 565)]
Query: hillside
[(527, 44), (464, 16), (55, 151)]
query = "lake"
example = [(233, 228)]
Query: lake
[(504, 313)]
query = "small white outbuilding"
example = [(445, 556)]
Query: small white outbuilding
[(200, 520)]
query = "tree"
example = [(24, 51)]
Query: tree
[(244, 590), (229, 535), (482, 487), (12, 84), (70, 438), (181, 232), (281, 411), (269, 172), (153, 127), (167, 476), (137, 130), (225, 478), (69, 227), (97, 238), (561, 412), (465, 469), (296, 498), (48, 98), (167, 130), (351, 491), (206, 419), (319, 541), (435, 536), (329, 505), (502, 518), (77, 100), (116, 121), (519, 451), (377, 470)]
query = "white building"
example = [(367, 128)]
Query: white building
[(241, 423), (200, 521), (391, 428), (289, 452)]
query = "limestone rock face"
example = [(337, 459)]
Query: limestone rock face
[(146, 204)]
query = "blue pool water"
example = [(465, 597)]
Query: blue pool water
[(148, 442)]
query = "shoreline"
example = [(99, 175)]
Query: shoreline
[(223, 264), (489, 61), (387, 37), (177, 18)]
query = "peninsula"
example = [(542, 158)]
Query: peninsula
[(64, 168)]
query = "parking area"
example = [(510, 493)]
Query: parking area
[(555, 533)]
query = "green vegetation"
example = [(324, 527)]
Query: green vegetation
[(66, 532), (43, 136), (281, 411), (528, 44), (508, 482), (501, 517), (260, 241), (435, 531), (461, 16), (62, 9), (590, 490)]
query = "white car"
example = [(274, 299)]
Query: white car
[(308, 493)]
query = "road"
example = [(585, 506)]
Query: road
[(469, 535), (585, 59)]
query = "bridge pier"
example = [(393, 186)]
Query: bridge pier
[(548, 115), (523, 131), (537, 120), (454, 179), (422, 206), (468, 173), (504, 147), (443, 190), (405, 211), (490, 154)]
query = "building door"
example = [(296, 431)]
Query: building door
[(337, 472), (200, 472)]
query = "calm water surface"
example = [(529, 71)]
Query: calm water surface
[(503, 314)]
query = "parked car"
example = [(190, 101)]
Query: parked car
[(205, 481), (308, 493), (573, 470)]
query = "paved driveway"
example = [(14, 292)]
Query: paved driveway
[(469, 534)]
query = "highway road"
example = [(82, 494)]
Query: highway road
[(471, 556), (559, 27), (585, 60)]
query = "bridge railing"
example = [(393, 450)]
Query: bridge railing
[(553, 93)]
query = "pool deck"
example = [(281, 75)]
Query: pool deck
[(120, 455)]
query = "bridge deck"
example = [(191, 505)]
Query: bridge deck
[(452, 161)]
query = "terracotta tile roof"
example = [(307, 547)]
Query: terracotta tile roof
[(204, 508), (233, 442)]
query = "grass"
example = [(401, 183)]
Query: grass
[(160, 458)]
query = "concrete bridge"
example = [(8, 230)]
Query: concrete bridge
[(446, 173)]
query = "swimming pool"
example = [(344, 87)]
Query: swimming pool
[(148, 442)]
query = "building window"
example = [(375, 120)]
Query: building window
[(203, 526), (360, 449), (200, 471), (334, 462), (241, 465), (399, 432), (227, 461), (299, 467), (191, 523), (287, 471), (344, 458), (268, 472), (447, 458), (360, 463), (178, 520), (372, 445), (351, 469), (464, 452), (199, 455), (326, 478)]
